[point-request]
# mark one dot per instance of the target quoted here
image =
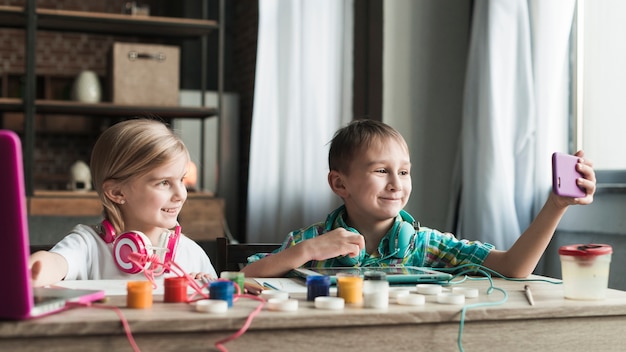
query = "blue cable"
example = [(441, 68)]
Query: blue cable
[(477, 305), (475, 269)]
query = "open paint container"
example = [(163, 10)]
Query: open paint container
[(585, 270)]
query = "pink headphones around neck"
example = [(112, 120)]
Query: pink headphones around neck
[(135, 242)]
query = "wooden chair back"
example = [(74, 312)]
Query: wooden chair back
[(40, 247), (234, 256)]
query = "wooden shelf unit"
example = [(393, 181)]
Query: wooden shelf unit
[(45, 106), (108, 23), (203, 212), (200, 218)]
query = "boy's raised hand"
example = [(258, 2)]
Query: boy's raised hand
[(588, 182)]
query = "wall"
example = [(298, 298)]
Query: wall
[(425, 50), (229, 148), (245, 32)]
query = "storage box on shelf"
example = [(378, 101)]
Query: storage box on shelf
[(144, 74)]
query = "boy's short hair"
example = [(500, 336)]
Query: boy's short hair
[(355, 136)]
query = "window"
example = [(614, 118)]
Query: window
[(599, 93)]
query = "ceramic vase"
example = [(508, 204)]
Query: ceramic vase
[(86, 88)]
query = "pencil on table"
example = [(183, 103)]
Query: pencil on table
[(529, 295)]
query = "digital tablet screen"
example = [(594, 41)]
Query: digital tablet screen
[(394, 274)]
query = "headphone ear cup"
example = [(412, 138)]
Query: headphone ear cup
[(107, 231), (401, 239), (127, 243)]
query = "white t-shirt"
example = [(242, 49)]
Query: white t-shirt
[(90, 258)]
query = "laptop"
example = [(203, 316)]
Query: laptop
[(18, 299), (395, 274)]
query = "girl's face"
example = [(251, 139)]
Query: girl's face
[(154, 200), (378, 185)]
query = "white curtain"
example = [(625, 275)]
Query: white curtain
[(515, 114), (302, 95)]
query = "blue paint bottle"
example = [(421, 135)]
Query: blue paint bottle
[(317, 285), (223, 290)]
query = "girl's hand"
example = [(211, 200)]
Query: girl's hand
[(35, 269), (202, 276)]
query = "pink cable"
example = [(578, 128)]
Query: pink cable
[(151, 270), (151, 264), (129, 334), (220, 343)]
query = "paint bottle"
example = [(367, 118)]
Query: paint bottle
[(317, 285), (237, 277), (350, 288), (222, 289), (375, 290), (175, 289), (139, 294)]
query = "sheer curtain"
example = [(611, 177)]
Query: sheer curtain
[(302, 95), (515, 115)]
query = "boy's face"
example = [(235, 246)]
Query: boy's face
[(154, 200), (378, 184)]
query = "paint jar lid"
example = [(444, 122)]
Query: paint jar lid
[(212, 306), (175, 281), (318, 279), (374, 275), (327, 302), (586, 250), (222, 286)]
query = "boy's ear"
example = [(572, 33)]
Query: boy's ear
[(335, 181), (113, 191)]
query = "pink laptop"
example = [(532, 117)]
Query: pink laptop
[(18, 299)]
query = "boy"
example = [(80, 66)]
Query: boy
[(370, 170)]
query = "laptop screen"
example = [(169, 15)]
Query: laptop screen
[(16, 295), (19, 300)]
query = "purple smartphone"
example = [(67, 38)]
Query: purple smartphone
[(564, 176)]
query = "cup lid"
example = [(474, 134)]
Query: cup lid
[(586, 250), (374, 275)]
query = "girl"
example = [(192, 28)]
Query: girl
[(137, 167)]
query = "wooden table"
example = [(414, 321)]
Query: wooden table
[(551, 324)]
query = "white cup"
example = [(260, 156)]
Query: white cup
[(585, 270)]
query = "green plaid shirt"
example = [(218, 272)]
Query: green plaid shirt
[(431, 248)]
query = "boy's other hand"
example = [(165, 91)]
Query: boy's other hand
[(336, 243)]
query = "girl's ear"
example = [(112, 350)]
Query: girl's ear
[(336, 183), (112, 190)]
